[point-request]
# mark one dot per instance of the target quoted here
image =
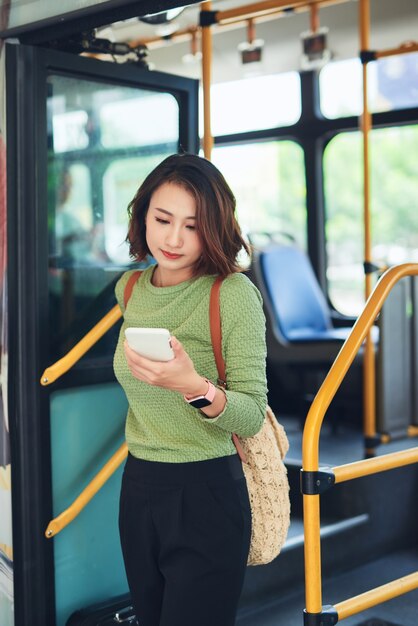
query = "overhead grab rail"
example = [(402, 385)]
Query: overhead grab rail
[(209, 18), (266, 7), (314, 481), (405, 48), (260, 12)]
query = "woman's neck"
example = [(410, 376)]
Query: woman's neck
[(168, 279)]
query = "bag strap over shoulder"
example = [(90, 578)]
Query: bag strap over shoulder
[(216, 329), (216, 336), (129, 286)]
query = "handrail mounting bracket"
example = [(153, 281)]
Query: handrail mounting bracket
[(327, 617), (315, 483)]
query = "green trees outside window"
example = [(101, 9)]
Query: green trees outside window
[(394, 207), (268, 180)]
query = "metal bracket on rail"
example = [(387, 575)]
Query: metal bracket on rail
[(366, 56), (370, 268), (314, 483), (372, 442), (327, 617), (207, 18)]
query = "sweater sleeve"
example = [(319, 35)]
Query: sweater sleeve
[(244, 352)]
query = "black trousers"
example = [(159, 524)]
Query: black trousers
[(185, 533)]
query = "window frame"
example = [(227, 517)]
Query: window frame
[(313, 131)]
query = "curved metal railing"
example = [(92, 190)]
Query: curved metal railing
[(55, 371), (310, 456)]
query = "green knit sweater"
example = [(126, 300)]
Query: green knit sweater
[(160, 425)]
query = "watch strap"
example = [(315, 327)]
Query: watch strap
[(209, 395)]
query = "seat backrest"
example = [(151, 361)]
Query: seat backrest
[(299, 306)]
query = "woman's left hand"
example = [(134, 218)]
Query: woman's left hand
[(179, 374)]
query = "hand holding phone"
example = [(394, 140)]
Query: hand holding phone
[(151, 343)]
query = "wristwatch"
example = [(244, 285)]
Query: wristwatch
[(199, 402)]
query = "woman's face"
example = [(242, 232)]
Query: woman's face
[(171, 233)]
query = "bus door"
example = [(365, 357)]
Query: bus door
[(82, 134)]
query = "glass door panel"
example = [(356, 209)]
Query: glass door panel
[(82, 136), (101, 146)]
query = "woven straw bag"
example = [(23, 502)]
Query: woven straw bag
[(263, 466), (268, 488)]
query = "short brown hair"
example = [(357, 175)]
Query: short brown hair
[(216, 222)]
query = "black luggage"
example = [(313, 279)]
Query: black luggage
[(115, 611)]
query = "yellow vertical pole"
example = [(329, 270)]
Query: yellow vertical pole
[(311, 511), (369, 385), (312, 553), (206, 84)]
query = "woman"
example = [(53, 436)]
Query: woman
[(185, 519)]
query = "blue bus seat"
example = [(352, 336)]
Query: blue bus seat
[(302, 341), (298, 304)]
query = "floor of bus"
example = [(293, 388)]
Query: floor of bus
[(338, 446)]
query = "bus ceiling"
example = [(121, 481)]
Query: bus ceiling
[(43, 20)]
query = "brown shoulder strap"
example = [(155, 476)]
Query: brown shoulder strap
[(129, 286), (216, 329), (216, 336)]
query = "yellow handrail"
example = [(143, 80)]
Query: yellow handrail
[(50, 375), (345, 358), (376, 596), (406, 48), (378, 464), (67, 516), (315, 417), (59, 368)]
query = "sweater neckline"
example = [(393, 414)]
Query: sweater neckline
[(164, 290)]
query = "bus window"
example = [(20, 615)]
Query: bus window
[(394, 207), (122, 119), (73, 215), (248, 104), (391, 85), (120, 182), (99, 151), (69, 131), (268, 180)]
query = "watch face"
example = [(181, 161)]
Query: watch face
[(199, 403)]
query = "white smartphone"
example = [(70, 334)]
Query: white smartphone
[(152, 343)]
